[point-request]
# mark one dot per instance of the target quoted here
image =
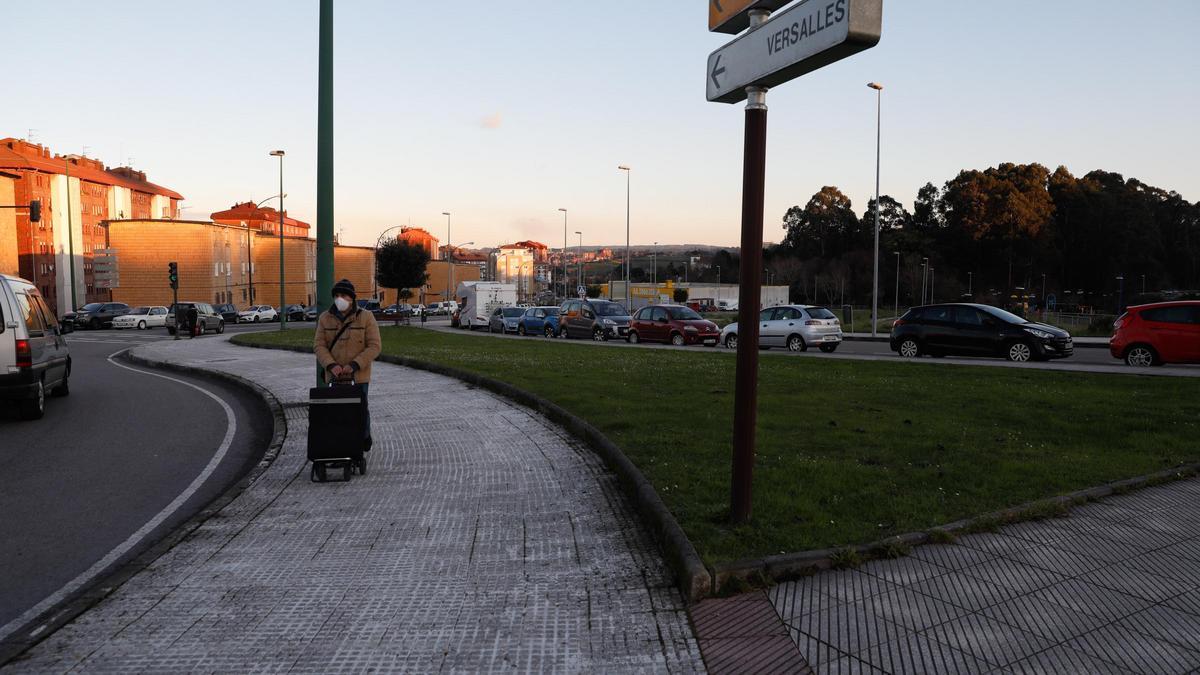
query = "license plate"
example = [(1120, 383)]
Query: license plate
[(832, 338)]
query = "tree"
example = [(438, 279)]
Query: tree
[(401, 265), (892, 215), (680, 295), (825, 227)]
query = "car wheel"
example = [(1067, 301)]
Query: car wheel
[(632, 338), (255, 318), (1019, 352), (829, 349), (795, 343), (95, 324), (34, 408), (220, 327), (731, 341), (521, 329), (677, 339), (548, 332), (910, 348), (1141, 356), (598, 335), (141, 325), (64, 388)]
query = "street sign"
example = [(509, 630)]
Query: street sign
[(581, 290), (733, 16), (798, 40)]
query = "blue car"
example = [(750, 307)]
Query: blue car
[(539, 321)]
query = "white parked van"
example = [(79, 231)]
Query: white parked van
[(34, 360), (480, 299)]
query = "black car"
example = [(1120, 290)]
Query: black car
[(95, 315), (206, 317), (311, 313), (295, 312), (977, 330), (594, 318), (227, 311)]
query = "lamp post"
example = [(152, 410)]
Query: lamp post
[(579, 254), (1120, 293), (896, 311), (282, 296), (654, 272), (1043, 292), (924, 275), (878, 144), (566, 282), (522, 285), (971, 285), (449, 258), (931, 270), (718, 286), (628, 173)]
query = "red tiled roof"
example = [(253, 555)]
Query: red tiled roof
[(249, 211), (81, 168), (526, 245)]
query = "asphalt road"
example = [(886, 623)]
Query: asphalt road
[(87, 481), (1085, 359)]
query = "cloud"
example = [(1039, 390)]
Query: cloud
[(492, 121)]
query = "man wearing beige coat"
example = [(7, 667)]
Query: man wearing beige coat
[(346, 342)]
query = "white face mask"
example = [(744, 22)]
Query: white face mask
[(341, 303)]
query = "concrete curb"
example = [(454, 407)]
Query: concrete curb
[(788, 566), (695, 580), (56, 617)]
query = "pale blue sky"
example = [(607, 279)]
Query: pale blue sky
[(501, 112)]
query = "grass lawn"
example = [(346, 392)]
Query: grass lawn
[(848, 451)]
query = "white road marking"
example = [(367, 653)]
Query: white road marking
[(135, 538)]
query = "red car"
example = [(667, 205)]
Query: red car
[(1151, 335), (675, 324)]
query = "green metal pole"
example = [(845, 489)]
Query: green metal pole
[(282, 296), (70, 237), (325, 162)]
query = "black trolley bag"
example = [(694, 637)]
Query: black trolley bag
[(337, 429)]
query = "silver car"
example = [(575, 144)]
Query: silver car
[(796, 327)]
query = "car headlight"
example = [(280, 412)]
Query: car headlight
[(609, 322), (1039, 333)]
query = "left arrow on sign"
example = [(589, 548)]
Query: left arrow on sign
[(717, 70)]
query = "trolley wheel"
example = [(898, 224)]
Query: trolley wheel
[(362, 466), (346, 469), (318, 473)]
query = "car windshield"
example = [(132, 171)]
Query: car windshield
[(513, 312), (683, 314), (1003, 315), (91, 307), (609, 309), (820, 313), (140, 310)]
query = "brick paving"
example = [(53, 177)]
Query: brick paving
[(1113, 588), (482, 539)]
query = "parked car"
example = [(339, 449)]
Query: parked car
[(1151, 335), (96, 315), (593, 318), (539, 321), (392, 310), (418, 309), (295, 312), (34, 358), (796, 327), (207, 318), (257, 314), (311, 313), (227, 311), (142, 318), (977, 330), (675, 324), (505, 319), (371, 305)]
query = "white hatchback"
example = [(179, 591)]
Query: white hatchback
[(142, 318), (258, 313)]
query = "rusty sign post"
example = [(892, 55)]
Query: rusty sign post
[(804, 37)]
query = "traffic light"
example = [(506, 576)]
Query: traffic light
[(173, 274), (35, 211)]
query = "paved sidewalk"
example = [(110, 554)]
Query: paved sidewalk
[(482, 539), (1113, 588)]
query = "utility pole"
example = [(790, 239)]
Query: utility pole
[(282, 297), (325, 157), (878, 144), (70, 236), (566, 281), (628, 173)]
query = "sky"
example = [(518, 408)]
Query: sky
[(503, 112)]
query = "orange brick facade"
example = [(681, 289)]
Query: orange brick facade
[(9, 259)]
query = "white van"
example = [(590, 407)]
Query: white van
[(34, 360)]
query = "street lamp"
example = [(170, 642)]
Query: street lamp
[(878, 141), (378, 243), (931, 270), (896, 311), (924, 275), (1120, 294), (521, 283), (282, 296), (718, 286), (449, 258), (566, 291), (628, 173), (971, 285), (579, 254), (654, 273), (1043, 292)]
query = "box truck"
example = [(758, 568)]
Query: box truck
[(478, 299)]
